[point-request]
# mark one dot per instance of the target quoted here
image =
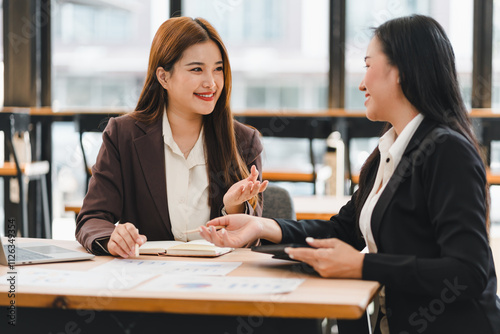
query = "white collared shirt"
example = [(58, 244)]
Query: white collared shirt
[(391, 149), (187, 185)]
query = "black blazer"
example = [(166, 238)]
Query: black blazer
[(429, 226), (128, 181)]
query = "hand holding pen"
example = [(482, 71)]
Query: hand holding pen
[(125, 241)]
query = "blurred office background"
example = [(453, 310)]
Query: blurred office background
[(280, 58)]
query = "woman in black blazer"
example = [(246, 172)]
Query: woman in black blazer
[(422, 204)]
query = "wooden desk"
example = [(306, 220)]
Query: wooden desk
[(486, 124), (315, 298), (287, 176), (318, 207), (493, 178), (73, 207), (9, 168)]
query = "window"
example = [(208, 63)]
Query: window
[(278, 50), (495, 94), (101, 49), (100, 54), (279, 60), (1, 55), (2, 154), (455, 16)]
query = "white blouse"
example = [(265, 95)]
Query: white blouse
[(187, 185), (391, 149)]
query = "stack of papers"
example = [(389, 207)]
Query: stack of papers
[(52, 278), (161, 276), (222, 285), (168, 267)]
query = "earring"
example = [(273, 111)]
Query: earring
[(398, 81)]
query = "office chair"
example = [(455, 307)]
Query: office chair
[(19, 167), (89, 123), (277, 203)]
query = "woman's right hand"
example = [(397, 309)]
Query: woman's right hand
[(240, 230), (123, 240), (242, 191)]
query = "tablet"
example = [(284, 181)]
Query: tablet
[(278, 250)]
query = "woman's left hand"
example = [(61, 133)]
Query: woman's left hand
[(330, 258), (240, 192)]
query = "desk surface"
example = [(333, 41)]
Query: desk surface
[(318, 207), (493, 177), (315, 298), (8, 168)]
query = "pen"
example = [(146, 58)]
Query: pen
[(136, 250), (218, 227)]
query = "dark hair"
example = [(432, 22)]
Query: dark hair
[(224, 163), (418, 46)]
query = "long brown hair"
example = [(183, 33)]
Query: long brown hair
[(224, 163), (418, 46)]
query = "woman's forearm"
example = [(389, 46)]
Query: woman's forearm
[(270, 230)]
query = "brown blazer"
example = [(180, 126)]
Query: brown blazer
[(128, 181)]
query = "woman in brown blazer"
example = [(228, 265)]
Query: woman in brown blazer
[(180, 159)]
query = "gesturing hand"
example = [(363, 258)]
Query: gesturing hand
[(123, 239), (331, 258), (242, 191), (239, 230)]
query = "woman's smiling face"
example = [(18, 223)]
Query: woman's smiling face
[(196, 80), (380, 84)]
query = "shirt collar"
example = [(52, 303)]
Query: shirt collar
[(197, 154), (399, 146), (394, 146), (168, 138)]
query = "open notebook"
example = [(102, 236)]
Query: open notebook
[(37, 252), (201, 248)]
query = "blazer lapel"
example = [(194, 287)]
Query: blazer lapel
[(401, 173), (151, 154)]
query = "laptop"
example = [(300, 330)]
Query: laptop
[(37, 252)]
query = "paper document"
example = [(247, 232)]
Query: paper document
[(168, 267), (225, 285), (112, 280)]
